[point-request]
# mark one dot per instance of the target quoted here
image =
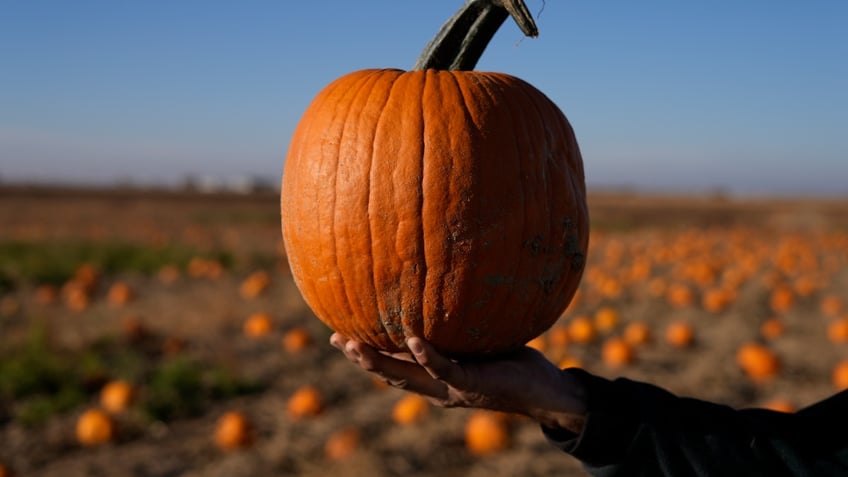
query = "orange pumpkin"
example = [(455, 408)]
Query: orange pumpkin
[(606, 319), (410, 409), (716, 300), (570, 362), (772, 328), (305, 402), (637, 333), (94, 427), (233, 431), (120, 294), (837, 330), (782, 299), (258, 325), (87, 276), (76, 295), (758, 362), (199, 267), (255, 284), (486, 432), (780, 405), (342, 443), (116, 396), (679, 295), (839, 375), (296, 340), (440, 202), (558, 337), (582, 330), (616, 352), (680, 334)]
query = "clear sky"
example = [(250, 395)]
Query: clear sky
[(749, 96)]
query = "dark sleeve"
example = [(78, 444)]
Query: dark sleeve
[(636, 429)]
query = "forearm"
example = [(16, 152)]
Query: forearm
[(636, 428), (565, 408)]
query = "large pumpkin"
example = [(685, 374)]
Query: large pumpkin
[(438, 202)]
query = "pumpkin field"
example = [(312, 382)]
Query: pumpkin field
[(160, 333)]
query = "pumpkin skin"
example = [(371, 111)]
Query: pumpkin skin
[(449, 205)]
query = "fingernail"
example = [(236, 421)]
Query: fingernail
[(415, 346), (352, 351)]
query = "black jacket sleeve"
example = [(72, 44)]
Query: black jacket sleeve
[(637, 429)]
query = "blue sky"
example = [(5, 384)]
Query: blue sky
[(747, 96)]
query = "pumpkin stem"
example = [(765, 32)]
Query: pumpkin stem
[(460, 42)]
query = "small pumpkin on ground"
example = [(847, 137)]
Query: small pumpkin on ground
[(637, 333), (486, 432), (581, 329), (839, 375), (296, 340), (258, 325), (617, 353), (772, 328), (837, 330), (558, 337), (255, 284), (410, 409), (758, 362), (606, 319), (440, 202), (342, 443), (780, 405), (680, 334), (120, 293), (94, 427), (117, 396), (570, 362), (306, 402), (233, 431)]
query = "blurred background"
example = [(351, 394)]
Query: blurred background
[(149, 325), (748, 98)]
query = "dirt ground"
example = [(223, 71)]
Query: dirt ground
[(207, 314)]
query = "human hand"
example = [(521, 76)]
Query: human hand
[(523, 382)]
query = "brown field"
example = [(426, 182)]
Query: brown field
[(721, 265)]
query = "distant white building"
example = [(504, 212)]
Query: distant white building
[(246, 184), (210, 185), (251, 184)]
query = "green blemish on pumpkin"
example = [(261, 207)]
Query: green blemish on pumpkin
[(389, 321)]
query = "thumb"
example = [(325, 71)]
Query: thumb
[(440, 367)]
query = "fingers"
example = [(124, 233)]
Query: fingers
[(438, 366), (340, 342), (399, 371)]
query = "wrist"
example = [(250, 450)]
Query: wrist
[(561, 421), (566, 409)]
